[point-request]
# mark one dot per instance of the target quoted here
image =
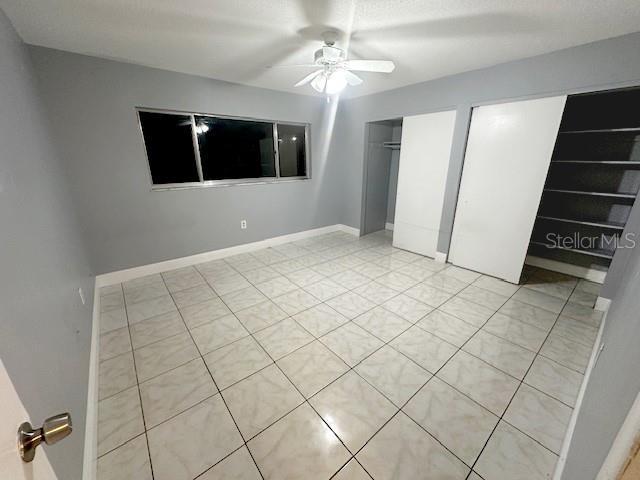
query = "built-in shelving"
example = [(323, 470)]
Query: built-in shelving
[(601, 130), (597, 194), (592, 253), (596, 162), (610, 225), (593, 179)]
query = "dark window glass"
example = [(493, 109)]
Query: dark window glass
[(292, 150), (235, 148), (169, 145)]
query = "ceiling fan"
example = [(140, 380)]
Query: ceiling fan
[(335, 72)]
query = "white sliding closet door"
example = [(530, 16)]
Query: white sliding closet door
[(422, 175), (508, 154)]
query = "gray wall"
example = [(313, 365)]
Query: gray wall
[(614, 382), (609, 63), (91, 103), (45, 331)]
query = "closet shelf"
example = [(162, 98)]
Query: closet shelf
[(591, 253), (599, 162), (603, 130), (613, 226), (597, 194)]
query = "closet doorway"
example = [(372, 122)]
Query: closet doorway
[(380, 175)]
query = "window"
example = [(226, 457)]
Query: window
[(235, 148), (291, 147), (188, 150), (169, 147)]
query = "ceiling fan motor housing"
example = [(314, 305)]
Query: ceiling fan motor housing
[(328, 55)]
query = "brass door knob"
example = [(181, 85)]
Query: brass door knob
[(53, 430)]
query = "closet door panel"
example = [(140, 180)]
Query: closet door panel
[(506, 162), (424, 161)]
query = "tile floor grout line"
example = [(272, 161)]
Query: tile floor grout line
[(536, 355), (315, 338), (352, 320), (201, 356), (273, 363), (219, 392), (460, 348), (453, 387), (244, 445), (434, 375), (135, 369), (515, 393), (386, 343), (100, 399), (297, 322), (398, 409), (306, 400), (370, 280)]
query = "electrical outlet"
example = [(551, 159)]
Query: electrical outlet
[(81, 293), (243, 224)]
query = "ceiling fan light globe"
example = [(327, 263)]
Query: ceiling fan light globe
[(319, 83), (336, 83)]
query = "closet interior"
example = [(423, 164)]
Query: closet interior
[(592, 182), (381, 174)]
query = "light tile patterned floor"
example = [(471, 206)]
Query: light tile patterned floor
[(339, 357)]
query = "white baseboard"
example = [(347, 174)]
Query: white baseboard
[(602, 304), (622, 445), (388, 226), (89, 462), (440, 257), (143, 270), (574, 270), (338, 227), (568, 437)]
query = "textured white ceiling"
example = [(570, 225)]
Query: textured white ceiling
[(236, 40)]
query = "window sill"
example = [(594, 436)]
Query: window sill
[(225, 183)]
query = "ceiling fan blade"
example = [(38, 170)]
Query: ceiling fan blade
[(319, 83), (384, 66), (308, 78), (351, 78)]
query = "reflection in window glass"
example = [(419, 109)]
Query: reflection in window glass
[(231, 149), (169, 144), (292, 150)]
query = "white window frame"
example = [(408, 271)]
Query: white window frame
[(231, 181)]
